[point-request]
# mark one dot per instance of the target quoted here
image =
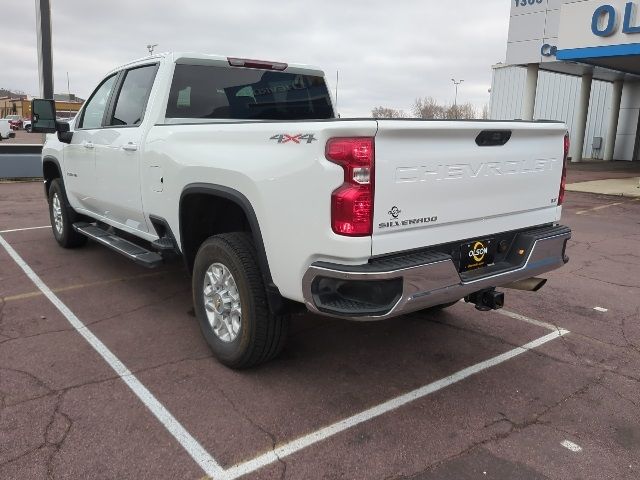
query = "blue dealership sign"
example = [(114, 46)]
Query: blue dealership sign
[(612, 22), (609, 14)]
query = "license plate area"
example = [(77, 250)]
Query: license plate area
[(477, 254)]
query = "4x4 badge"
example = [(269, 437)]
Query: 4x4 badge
[(285, 138)]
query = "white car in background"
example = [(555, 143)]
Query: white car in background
[(27, 122), (5, 129)]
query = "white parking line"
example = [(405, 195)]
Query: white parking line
[(388, 406), (205, 460), (569, 445), (23, 229), (522, 318), (184, 438), (597, 209)]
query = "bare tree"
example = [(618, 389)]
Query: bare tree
[(485, 112), (384, 112), (428, 108), (465, 111)]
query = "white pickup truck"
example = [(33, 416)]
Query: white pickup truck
[(242, 169)]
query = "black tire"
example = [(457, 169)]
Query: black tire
[(261, 335), (64, 233), (28, 128)]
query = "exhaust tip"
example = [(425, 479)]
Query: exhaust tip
[(532, 284)]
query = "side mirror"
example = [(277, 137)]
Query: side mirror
[(43, 120), (43, 116), (64, 133)]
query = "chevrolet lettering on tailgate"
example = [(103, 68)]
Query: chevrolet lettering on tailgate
[(464, 170)]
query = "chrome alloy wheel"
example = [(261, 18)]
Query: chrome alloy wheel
[(57, 213), (222, 302)]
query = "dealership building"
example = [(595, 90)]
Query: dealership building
[(579, 62)]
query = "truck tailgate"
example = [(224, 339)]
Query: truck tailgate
[(434, 184)]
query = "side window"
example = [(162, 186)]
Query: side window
[(97, 104), (133, 96)]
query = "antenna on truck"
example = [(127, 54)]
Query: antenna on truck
[(337, 80)]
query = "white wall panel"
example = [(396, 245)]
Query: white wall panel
[(627, 125), (598, 119), (556, 99), (527, 27), (506, 93)]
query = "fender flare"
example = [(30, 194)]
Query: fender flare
[(50, 159), (244, 203)]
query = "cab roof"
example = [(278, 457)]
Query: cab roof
[(211, 59)]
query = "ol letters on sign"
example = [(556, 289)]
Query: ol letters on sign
[(605, 20)]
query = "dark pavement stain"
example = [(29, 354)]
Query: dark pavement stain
[(479, 464)]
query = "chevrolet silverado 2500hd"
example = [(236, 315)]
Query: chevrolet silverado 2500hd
[(241, 168)]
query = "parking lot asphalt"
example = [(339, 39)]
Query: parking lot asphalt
[(547, 388), (24, 138)]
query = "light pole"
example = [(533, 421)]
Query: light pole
[(456, 83), (150, 47), (45, 56)]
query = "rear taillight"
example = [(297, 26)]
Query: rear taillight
[(563, 181), (352, 202)]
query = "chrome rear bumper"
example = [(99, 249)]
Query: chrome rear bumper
[(427, 279)]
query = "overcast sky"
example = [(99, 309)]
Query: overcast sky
[(388, 52)]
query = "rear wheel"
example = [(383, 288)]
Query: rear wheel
[(63, 217), (231, 303)]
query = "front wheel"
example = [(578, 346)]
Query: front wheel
[(62, 217), (231, 303)]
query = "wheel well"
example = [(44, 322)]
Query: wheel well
[(203, 215), (207, 210), (50, 172)]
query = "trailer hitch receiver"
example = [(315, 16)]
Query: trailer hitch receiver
[(487, 299)]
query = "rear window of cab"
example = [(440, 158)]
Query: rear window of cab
[(215, 92)]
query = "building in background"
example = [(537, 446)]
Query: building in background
[(556, 99), (10, 103), (66, 105), (576, 61)]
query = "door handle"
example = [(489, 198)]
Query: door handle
[(130, 147), (87, 144)]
